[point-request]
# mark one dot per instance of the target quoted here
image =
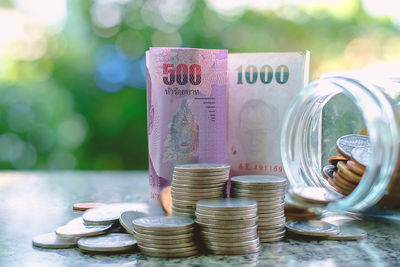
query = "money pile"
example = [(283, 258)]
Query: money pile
[(269, 191), (166, 236), (228, 226), (347, 169), (192, 182), (98, 230)]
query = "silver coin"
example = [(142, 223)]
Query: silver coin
[(202, 167), (172, 255), (259, 179), (227, 231), (239, 235), (259, 198), (165, 233), (186, 207), (233, 250), (180, 236), (258, 193), (292, 202), (248, 221), (267, 216), (166, 242), (187, 203), (197, 186), (271, 228), (272, 239), (77, 228), (166, 250), (110, 213), (274, 221), (319, 195), (328, 171), (269, 203), (201, 174), (257, 187), (227, 224), (162, 223), (183, 214), (108, 243), (255, 241), (198, 190), (214, 179), (233, 239), (51, 240), (226, 204), (361, 155), (261, 231), (312, 228), (198, 195), (171, 244), (263, 234), (226, 212), (183, 210), (127, 217), (225, 218), (347, 143), (198, 183), (349, 232)]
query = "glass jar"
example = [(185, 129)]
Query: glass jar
[(362, 97)]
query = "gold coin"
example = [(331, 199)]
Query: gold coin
[(338, 189), (347, 174), (346, 184), (334, 160), (355, 167)]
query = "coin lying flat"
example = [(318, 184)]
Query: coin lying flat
[(172, 243), (110, 213), (202, 167), (338, 188), (343, 183), (315, 194), (224, 217), (86, 206), (166, 200), (51, 240), (160, 233), (172, 255), (347, 143), (234, 250), (207, 186), (349, 232), (361, 155), (328, 170), (233, 222), (312, 228), (227, 204), (127, 217), (162, 223), (227, 231), (259, 180), (108, 243), (77, 228)]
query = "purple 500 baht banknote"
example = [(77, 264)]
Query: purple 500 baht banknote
[(186, 110)]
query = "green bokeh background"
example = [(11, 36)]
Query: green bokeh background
[(54, 114)]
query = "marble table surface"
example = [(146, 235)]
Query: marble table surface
[(33, 203)]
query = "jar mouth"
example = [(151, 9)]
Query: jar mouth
[(301, 134)]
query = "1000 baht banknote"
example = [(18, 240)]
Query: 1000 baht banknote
[(186, 110), (260, 88)]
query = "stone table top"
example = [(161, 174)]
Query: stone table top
[(32, 203)]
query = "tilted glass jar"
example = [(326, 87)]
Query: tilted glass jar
[(305, 134)]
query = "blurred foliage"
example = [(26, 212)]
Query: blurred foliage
[(74, 96)]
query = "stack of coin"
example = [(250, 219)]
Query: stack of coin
[(228, 226), (269, 191), (166, 236), (346, 170), (192, 182)]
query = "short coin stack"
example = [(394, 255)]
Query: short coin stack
[(269, 191), (346, 170), (192, 182), (228, 226), (163, 236)]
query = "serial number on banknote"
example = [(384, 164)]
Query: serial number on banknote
[(270, 168)]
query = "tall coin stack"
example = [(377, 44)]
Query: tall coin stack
[(269, 191), (163, 236), (192, 182), (228, 226)]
